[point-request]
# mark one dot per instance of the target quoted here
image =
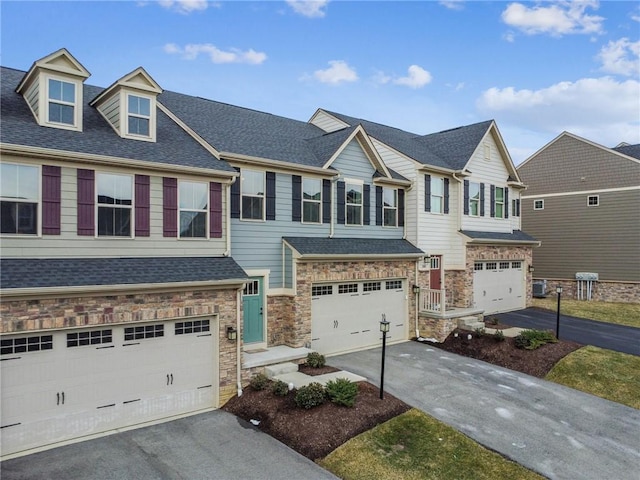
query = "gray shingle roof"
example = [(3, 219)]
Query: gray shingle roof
[(75, 272), (630, 150), (352, 246), (517, 236), (450, 149), (173, 146)]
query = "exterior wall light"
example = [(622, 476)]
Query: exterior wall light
[(415, 289), (232, 334), (531, 269)]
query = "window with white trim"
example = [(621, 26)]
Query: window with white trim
[(34, 343), (144, 331), (474, 199), (193, 209), (253, 194), (390, 207), (348, 288), (319, 290), (516, 265), (504, 265), (593, 200), (477, 266), (138, 115), (538, 204), (492, 265), (61, 102), (437, 194), (94, 337), (251, 288), (371, 286), (192, 326), (393, 285), (115, 204), (311, 200), (19, 199), (353, 205), (499, 202)]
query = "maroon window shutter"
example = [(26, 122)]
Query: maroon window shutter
[(169, 207), (142, 195), (51, 200), (215, 210), (86, 201)]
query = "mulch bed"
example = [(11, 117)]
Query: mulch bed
[(314, 371)]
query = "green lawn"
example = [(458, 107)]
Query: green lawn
[(415, 446), (605, 373), (610, 312)]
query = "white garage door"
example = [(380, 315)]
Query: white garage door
[(498, 286), (346, 316), (67, 384)]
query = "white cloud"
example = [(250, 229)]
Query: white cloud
[(600, 109), (453, 4), (185, 6), (381, 78), (621, 57), (561, 18), (337, 73), (418, 77), (309, 8), (233, 55)]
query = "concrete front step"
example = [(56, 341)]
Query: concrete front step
[(470, 322), (300, 379), (272, 371)]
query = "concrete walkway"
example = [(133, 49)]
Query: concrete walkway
[(554, 430)]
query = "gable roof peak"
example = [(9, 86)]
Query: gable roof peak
[(60, 61)]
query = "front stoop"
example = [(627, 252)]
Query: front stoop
[(299, 379), (273, 356), (470, 322)]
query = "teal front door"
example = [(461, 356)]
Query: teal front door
[(252, 303)]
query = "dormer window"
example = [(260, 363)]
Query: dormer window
[(139, 115), (62, 102)]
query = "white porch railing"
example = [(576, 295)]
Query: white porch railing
[(432, 300)]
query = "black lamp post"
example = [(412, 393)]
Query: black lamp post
[(559, 292), (384, 328)]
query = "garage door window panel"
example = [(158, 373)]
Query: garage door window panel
[(348, 288), (143, 332), (196, 326), (371, 286), (95, 337), (393, 284), (10, 346)]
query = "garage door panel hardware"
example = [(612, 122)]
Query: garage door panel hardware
[(205, 386), (130, 401), (11, 425), (107, 406)]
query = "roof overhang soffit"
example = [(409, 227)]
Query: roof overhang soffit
[(494, 241), (367, 146), (351, 256)]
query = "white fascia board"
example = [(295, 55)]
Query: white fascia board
[(278, 165), (340, 258)]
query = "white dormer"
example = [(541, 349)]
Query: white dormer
[(129, 105), (53, 89)]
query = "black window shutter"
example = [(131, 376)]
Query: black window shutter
[(446, 196), (235, 197), (366, 204), (482, 199), (518, 207), (296, 198), (466, 197), (506, 203), (271, 196), (326, 201), (378, 205), (427, 193), (401, 208), (492, 197), (341, 200)]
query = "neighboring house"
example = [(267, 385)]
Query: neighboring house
[(463, 211), (582, 203), (117, 284)]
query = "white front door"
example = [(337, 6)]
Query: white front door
[(499, 286)]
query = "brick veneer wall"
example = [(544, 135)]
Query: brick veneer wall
[(280, 320), (603, 291), (88, 311), (308, 273)]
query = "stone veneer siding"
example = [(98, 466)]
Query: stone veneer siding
[(311, 272), (89, 311), (602, 291), (281, 312)]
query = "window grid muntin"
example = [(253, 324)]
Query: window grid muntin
[(393, 284), (311, 200), (193, 209), (538, 204), (492, 265), (19, 198), (192, 326), (251, 288), (371, 286), (89, 337), (64, 107), (36, 343), (141, 332), (118, 205), (348, 288), (389, 207), (252, 185), (477, 266), (138, 115), (593, 200), (320, 290), (353, 203), (504, 265), (516, 265)]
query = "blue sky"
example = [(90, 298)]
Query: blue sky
[(537, 68)]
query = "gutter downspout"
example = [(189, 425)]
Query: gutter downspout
[(417, 301), (238, 352), (333, 181)]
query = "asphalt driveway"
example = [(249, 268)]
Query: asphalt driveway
[(557, 431), (620, 338), (208, 446)]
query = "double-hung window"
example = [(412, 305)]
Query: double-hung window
[(115, 204), (354, 203), (474, 199), (194, 209), (253, 189), (61, 102), (19, 198), (390, 207), (499, 202), (437, 194), (138, 115), (311, 200)]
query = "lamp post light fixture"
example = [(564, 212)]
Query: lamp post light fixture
[(559, 292), (232, 334), (384, 328)]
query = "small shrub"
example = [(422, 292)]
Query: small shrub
[(498, 336), (280, 388), (342, 392), (315, 360), (480, 332), (310, 396), (532, 339), (494, 321), (259, 381)]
